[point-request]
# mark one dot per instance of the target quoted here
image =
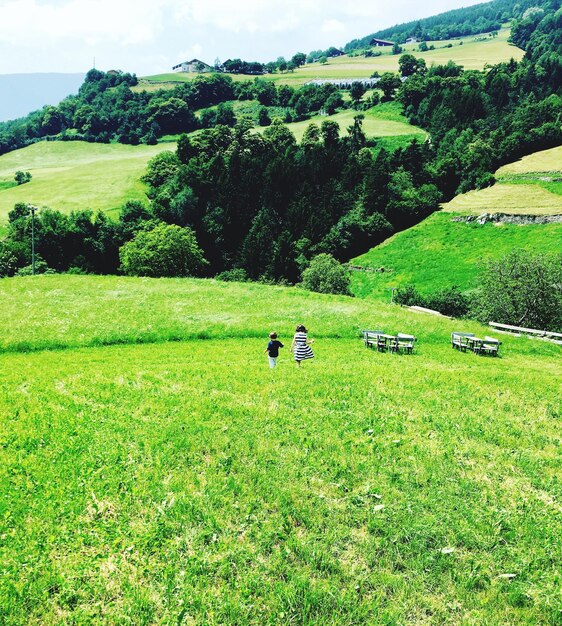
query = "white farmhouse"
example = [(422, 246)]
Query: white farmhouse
[(195, 65)]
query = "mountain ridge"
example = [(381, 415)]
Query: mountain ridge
[(23, 93)]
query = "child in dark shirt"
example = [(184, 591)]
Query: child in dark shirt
[(272, 349)]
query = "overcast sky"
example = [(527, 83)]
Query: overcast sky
[(149, 36)]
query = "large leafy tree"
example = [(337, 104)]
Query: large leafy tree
[(523, 289), (326, 275), (166, 250)]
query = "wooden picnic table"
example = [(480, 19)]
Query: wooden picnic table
[(382, 341), (488, 345), (473, 343)]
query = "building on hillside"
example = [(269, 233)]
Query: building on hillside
[(379, 43), (344, 83), (335, 52), (195, 65), (412, 40)]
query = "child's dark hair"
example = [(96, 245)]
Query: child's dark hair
[(273, 335), (301, 328)]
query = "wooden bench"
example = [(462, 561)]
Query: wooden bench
[(403, 342), (459, 341), (371, 338)]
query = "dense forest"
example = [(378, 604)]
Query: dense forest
[(479, 18), (264, 205)]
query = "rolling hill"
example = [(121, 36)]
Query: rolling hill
[(71, 175), (530, 186), (384, 121), (473, 53), (440, 251), (76, 175), (173, 478), (154, 470)]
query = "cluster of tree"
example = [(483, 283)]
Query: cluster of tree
[(267, 205), (449, 301), (479, 121), (107, 110), (237, 66), (282, 65), (521, 288), (138, 244), (22, 177), (323, 55), (473, 20)]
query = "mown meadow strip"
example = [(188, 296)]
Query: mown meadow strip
[(56, 312)]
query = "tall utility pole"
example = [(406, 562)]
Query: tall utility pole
[(32, 210)]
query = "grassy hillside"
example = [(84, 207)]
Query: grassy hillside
[(76, 175), (385, 121), (185, 483), (438, 253), (530, 186), (513, 197), (544, 161), (471, 52)]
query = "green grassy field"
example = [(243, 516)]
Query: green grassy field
[(438, 253), (384, 121), (76, 175), (474, 54), (513, 196), (544, 161), (530, 186), (182, 482)]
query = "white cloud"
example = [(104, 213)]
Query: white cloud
[(125, 21), (136, 35), (333, 26), (191, 53)]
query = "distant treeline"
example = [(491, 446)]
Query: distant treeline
[(281, 64), (106, 109), (473, 20)]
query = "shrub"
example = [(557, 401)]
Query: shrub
[(40, 268), (166, 250), (263, 117), (326, 275), (236, 274), (522, 289), (22, 177), (8, 262), (409, 296), (449, 301)]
